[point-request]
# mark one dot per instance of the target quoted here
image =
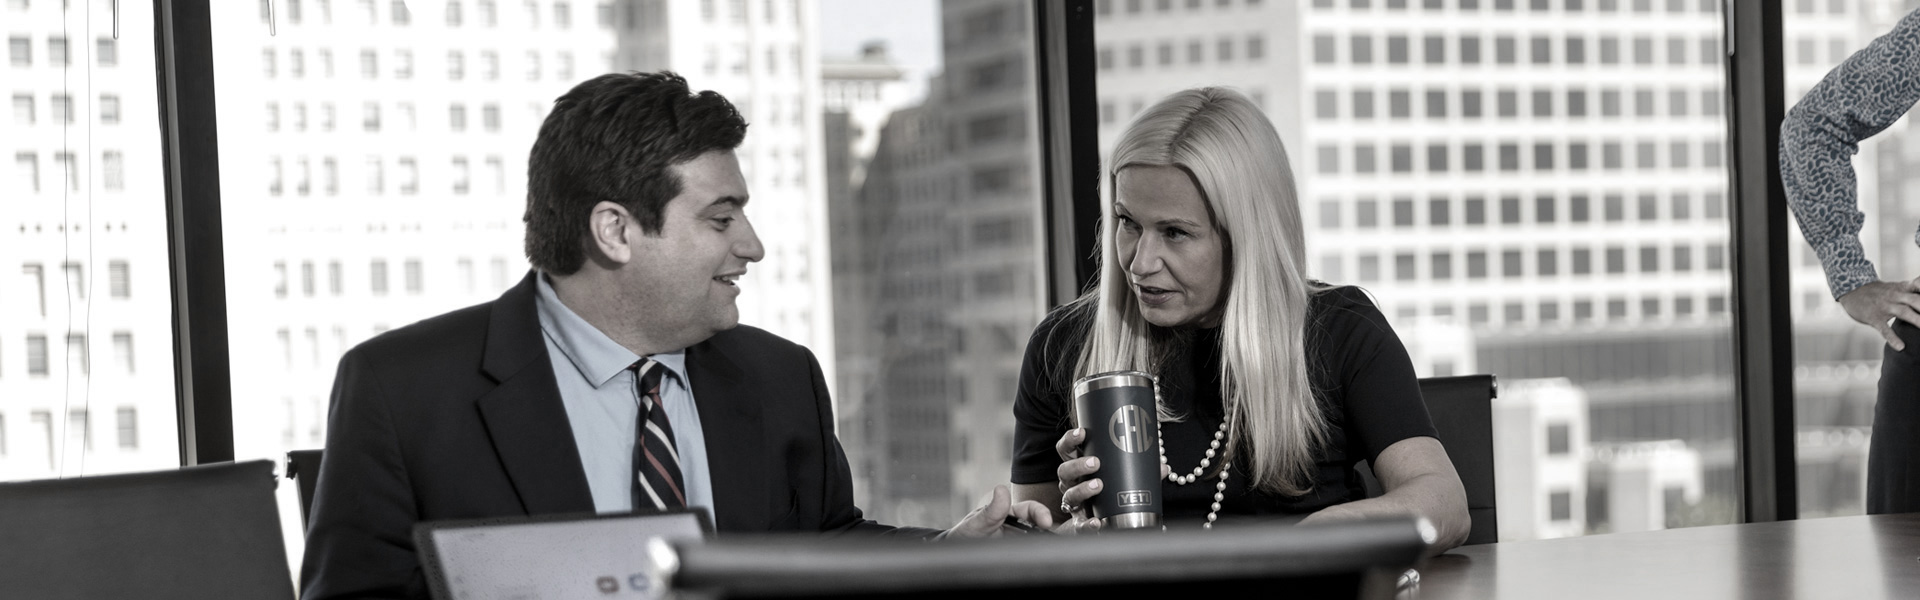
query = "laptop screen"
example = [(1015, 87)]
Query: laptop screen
[(600, 556)]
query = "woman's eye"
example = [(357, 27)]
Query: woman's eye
[(1128, 224), (1175, 233)]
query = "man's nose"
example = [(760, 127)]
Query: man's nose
[(748, 246)]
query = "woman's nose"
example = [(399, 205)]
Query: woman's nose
[(1146, 257)]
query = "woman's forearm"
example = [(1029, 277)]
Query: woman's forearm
[(1426, 496)]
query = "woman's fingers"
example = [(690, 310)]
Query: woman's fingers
[(1073, 471), (1069, 445), (1076, 497)]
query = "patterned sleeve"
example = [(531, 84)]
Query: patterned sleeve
[(1859, 98)]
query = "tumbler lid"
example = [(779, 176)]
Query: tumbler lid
[(1110, 379)]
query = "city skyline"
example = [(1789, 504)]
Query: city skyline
[(373, 174)]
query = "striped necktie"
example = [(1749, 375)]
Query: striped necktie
[(658, 483)]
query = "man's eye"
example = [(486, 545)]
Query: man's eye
[(723, 222)]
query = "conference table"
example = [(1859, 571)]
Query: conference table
[(1836, 557)]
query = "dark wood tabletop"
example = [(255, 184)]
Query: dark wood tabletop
[(1838, 557)]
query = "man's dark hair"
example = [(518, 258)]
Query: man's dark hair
[(613, 138)]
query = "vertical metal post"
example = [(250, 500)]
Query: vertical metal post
[(1069, 143), (183, 40), (1762, 318)]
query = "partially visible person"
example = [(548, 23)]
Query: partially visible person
[(614, 377), (1860, 98), (1271, 386)]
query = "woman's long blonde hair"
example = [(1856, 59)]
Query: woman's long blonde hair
[(1233, 154)]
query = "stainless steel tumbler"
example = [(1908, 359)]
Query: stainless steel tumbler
[(1123, 431)]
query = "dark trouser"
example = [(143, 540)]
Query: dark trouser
[(1893, 459)]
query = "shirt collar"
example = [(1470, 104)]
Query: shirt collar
[(597, 358)]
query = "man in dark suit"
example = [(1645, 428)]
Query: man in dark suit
[(613, 377)]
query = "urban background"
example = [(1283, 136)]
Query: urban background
[(1529, 188)]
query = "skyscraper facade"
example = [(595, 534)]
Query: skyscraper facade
[(943, 238), (1530, 189), (86, 361)]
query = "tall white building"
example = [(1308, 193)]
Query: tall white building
[(373, 174), (1545, 178), (1148, 49), (1538, 167), (374, 157), (1542, 167), (375, 166), (86, 368)]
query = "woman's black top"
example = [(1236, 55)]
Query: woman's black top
[(1357, 367)]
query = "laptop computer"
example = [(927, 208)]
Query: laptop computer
[(568, 556)]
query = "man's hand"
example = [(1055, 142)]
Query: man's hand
[(1877, 304), (989, 520)]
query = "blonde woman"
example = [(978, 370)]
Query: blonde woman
[(1272, 386)]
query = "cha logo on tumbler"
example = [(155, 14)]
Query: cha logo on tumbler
[(1128, 429)]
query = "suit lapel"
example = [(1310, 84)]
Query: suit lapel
[(524, 415), (736, 449)]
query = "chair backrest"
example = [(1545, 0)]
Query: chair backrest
[(1349, 559), (303, 467), (1462, 411), (210, 531)]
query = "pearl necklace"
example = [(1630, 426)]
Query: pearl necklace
[(1213, 449)]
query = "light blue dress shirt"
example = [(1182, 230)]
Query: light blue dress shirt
[(598, 392)]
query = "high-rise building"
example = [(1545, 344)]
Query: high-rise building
[(86, 337), (860, 94), (944, 232), (1551, 176), (373, 169), (1529, 189), (376, 157)]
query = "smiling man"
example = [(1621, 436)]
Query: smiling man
[(614, 377)]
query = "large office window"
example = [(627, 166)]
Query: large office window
[(385, 224), (1613, 381), (915, 292), (85, 267), (936, 253)]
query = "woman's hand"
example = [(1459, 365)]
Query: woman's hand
[(1076, 484), (1072, 489)]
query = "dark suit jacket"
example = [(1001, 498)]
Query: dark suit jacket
[(459, 417)]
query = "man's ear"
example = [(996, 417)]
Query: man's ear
[(608, 227)]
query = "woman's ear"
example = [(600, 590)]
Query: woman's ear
[(608, 227)]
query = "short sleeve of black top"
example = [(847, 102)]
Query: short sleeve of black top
[(1358, 369)]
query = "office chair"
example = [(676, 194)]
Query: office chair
[(1352, 559), (1462, 411), (209, 531), (303, 467)]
